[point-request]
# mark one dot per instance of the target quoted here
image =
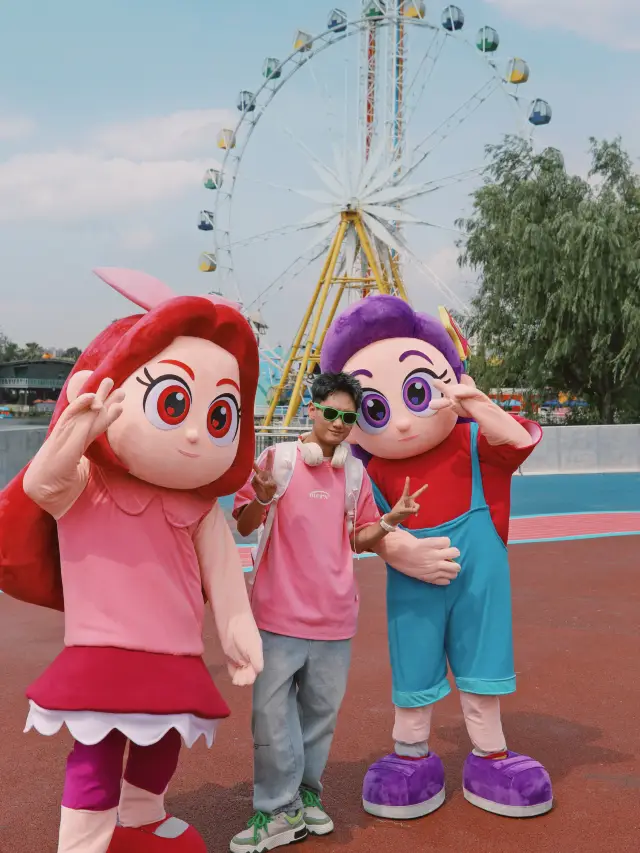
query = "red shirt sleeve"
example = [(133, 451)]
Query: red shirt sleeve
[(506, 456), (367, 511)]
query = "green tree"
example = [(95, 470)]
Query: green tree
[(558, 259), (72, 353), (32, 351)]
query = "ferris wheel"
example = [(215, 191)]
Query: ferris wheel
[(333, 178)]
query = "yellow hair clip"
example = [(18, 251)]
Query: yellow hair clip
[(455, 333)]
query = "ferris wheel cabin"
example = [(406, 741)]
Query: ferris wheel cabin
[(211, 179), (271, 68), (488, 40), (205, 221), (337, 22), (453, 18), (414, 9), (226, 139), (540, 113)]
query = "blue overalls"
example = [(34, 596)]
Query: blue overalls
[(467, 622)]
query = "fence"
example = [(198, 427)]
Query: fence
[(563, 450), (18, 444), (586, 450)]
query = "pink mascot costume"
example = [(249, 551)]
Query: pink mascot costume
[(115, 521), (423, 417)]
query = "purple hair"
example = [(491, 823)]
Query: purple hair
[(380, 318)]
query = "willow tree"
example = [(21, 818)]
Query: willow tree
[(558, 259)]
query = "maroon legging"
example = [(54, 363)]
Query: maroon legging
[(94, 773)]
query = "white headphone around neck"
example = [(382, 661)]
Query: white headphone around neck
[(312, 454)]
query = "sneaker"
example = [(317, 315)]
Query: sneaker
[(266, 832), (317, 820)]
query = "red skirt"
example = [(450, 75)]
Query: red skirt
[(120, 681)]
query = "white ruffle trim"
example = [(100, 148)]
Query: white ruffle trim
[(90, 727)]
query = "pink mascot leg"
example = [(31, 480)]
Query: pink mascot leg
[(91, 793), (144, 826), (409, 783), (494, 778)]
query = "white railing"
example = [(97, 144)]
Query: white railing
[(268, 436)]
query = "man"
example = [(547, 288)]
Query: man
[(305, 603)]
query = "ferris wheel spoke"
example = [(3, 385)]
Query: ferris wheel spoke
[(439, 39), (451, 122), (399, 193), (308, 223), (296, 268), (325, 96), (328, 177), (392, 214), (435, 280)]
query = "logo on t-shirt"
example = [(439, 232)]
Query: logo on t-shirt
[(320, 495)]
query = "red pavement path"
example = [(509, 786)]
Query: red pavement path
[(576, 609)]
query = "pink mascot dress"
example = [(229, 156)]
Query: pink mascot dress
[(422, 417), (115, 521)]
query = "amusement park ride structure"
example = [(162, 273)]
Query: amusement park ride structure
[(363, 209)]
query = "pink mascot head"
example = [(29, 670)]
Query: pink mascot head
[(189, 370), (399, 356)]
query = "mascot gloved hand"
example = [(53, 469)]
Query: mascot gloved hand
[(423, 418), (116, 522)]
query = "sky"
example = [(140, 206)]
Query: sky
[(109, 114)]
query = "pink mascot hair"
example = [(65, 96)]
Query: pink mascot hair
[(29, 553)]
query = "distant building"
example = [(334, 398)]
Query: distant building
[(31, 383)]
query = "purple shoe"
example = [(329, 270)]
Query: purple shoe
[(403, 788), (515, 786)]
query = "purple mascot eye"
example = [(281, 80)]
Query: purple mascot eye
[(417, 393), (375, 412)]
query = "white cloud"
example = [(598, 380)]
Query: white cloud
[(124, 166), (181, 134), (66, 186), (13, 128), (615, 23)]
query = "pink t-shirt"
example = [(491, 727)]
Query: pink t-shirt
[(305, 585), (130, 570)]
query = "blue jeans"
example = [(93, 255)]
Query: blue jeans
[(296, 699)]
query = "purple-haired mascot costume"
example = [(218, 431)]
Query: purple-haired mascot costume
[(423, 417)]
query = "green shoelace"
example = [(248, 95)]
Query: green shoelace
[(310, 800), (259, 821)]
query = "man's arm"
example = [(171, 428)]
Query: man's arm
[(253, 500)]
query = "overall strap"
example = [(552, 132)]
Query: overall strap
[(477, 491), (379, 498)]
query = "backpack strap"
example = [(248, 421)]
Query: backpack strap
[(284, 460), (353, 474)]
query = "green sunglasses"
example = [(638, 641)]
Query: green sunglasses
[(331, 414)]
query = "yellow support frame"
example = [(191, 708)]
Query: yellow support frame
[(312, 322)]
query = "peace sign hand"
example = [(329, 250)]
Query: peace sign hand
[(263, 483), (406, 506), (461, 399)]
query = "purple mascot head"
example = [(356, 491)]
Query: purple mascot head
[(378, 319)]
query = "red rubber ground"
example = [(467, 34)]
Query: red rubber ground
[(577, 709)]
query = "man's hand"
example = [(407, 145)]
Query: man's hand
[(433, 561), (406, 506), (263, 483)]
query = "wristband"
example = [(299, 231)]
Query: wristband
[(388, 528), (262, 503)]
